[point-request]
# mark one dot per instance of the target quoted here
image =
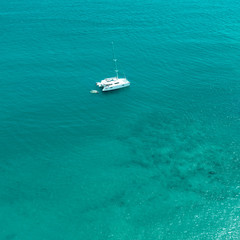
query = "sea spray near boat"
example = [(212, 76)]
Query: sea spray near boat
[(113, 83)]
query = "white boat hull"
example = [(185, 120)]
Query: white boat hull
[(110, 84), (105, 89)]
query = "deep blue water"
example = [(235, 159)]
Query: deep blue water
[(157, 160)]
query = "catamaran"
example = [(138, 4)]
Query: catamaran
[(113, 83)]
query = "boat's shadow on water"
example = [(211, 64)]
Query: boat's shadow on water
[(115, 92)]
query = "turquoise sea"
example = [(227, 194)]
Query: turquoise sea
[(157, 160)]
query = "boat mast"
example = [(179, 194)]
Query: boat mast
[(115, 60)]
